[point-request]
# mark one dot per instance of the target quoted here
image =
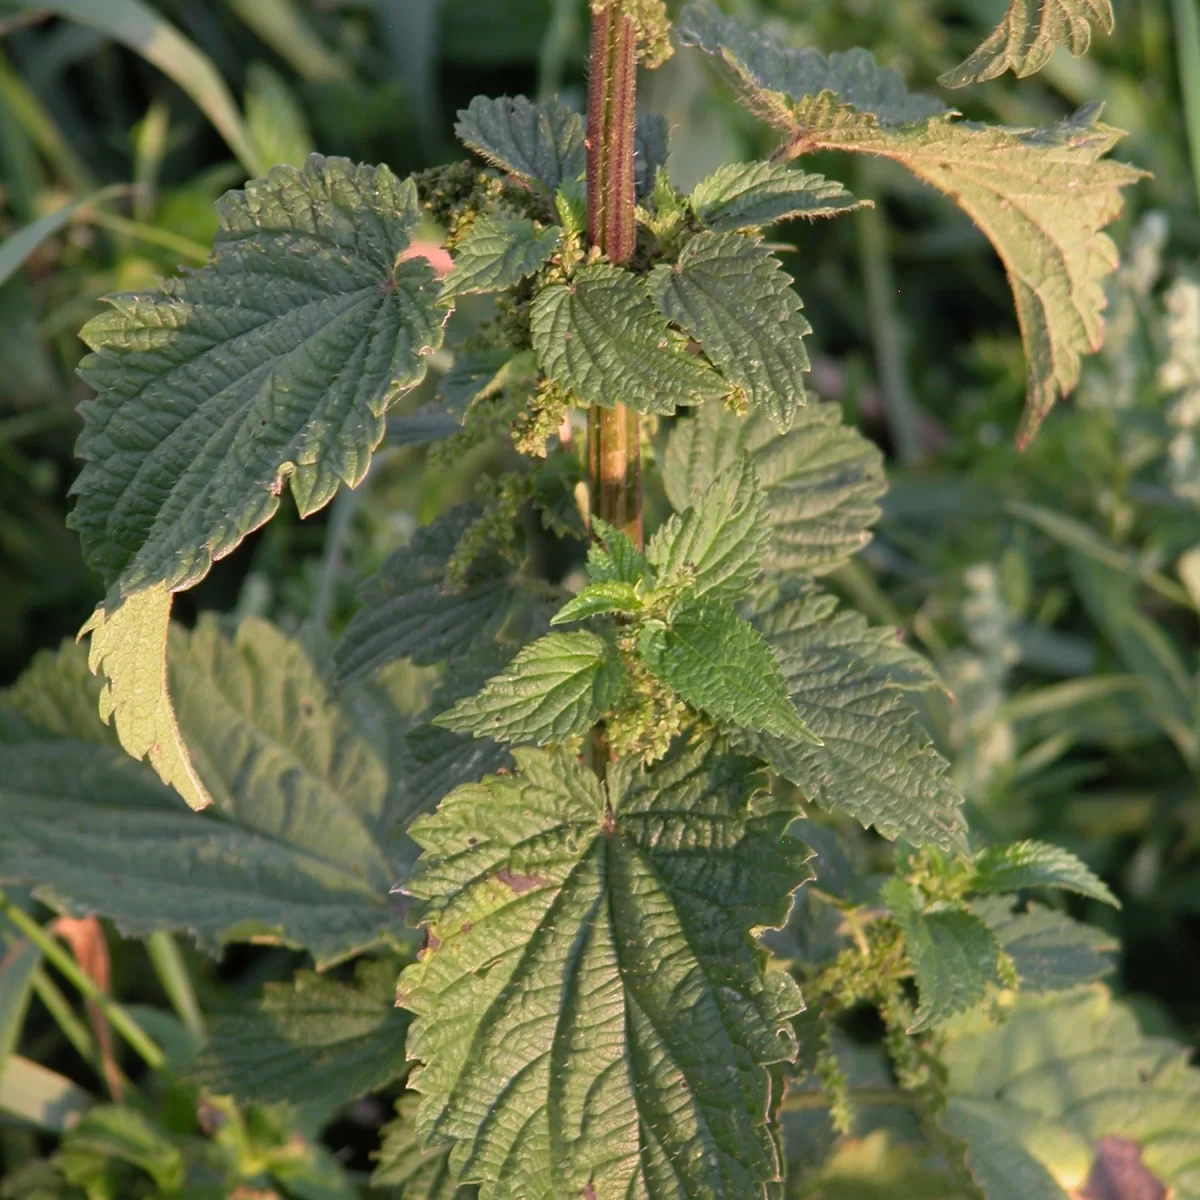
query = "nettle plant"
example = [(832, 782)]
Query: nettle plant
[(619, 788)]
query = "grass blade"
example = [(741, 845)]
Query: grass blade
[(136, 25)]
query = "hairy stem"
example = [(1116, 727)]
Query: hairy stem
[(614, 451)]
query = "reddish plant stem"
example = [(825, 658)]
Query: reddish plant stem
[(614, 434)]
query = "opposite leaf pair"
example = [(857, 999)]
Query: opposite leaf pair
[(674, 618)]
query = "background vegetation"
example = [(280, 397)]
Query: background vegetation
[(1058, 591)]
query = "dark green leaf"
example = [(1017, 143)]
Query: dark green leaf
[(749, 195), (593, 1015), (1042, 196), (271, 367), (1051, 952), (719, 544), (541, 143), (94, 833), (555, 689), (313, 1041), (736, 300), (822, 480), (874, 762), (720, 665), (1036, 864), (771, 78), (498, 253), (409, 611), (602, 339), (954, 956)]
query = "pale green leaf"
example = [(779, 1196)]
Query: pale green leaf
[(94, 833), (717, 546), (597, 599), (1042, 196), (401, 1161), (274, 118), (733, 296), (593, 1016), (1050, 951), (111, 1133), (601, 338), (271, 367), (954, 956), (822, 480), (720, 665), (498, 253), (129, 651), (1036, 864), (612, 556), (39, 1096), (409, 611), (1029, 34), (136, 25), (1065, 1097), (312, 1041), (555, 689), (749, 195), (541, 143), (875, 761)]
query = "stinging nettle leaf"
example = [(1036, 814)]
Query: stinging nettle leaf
[(770, 77), (875, 761), (1028, 36), (718, 544), (1050, 951), (1066, 1097), (408, 611), (720, 665), (312, 1041), (612, 556), (733, 296), (273, 366), (749, 195), (601, 338), (1042, 196), (556, 688), (496, 254), (401, 1161), (596, 599), (1036, 864), (305, 791), (592, 1015), (821, 479), (953, 954), (129, 651), (541, 143), (94, 833)]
